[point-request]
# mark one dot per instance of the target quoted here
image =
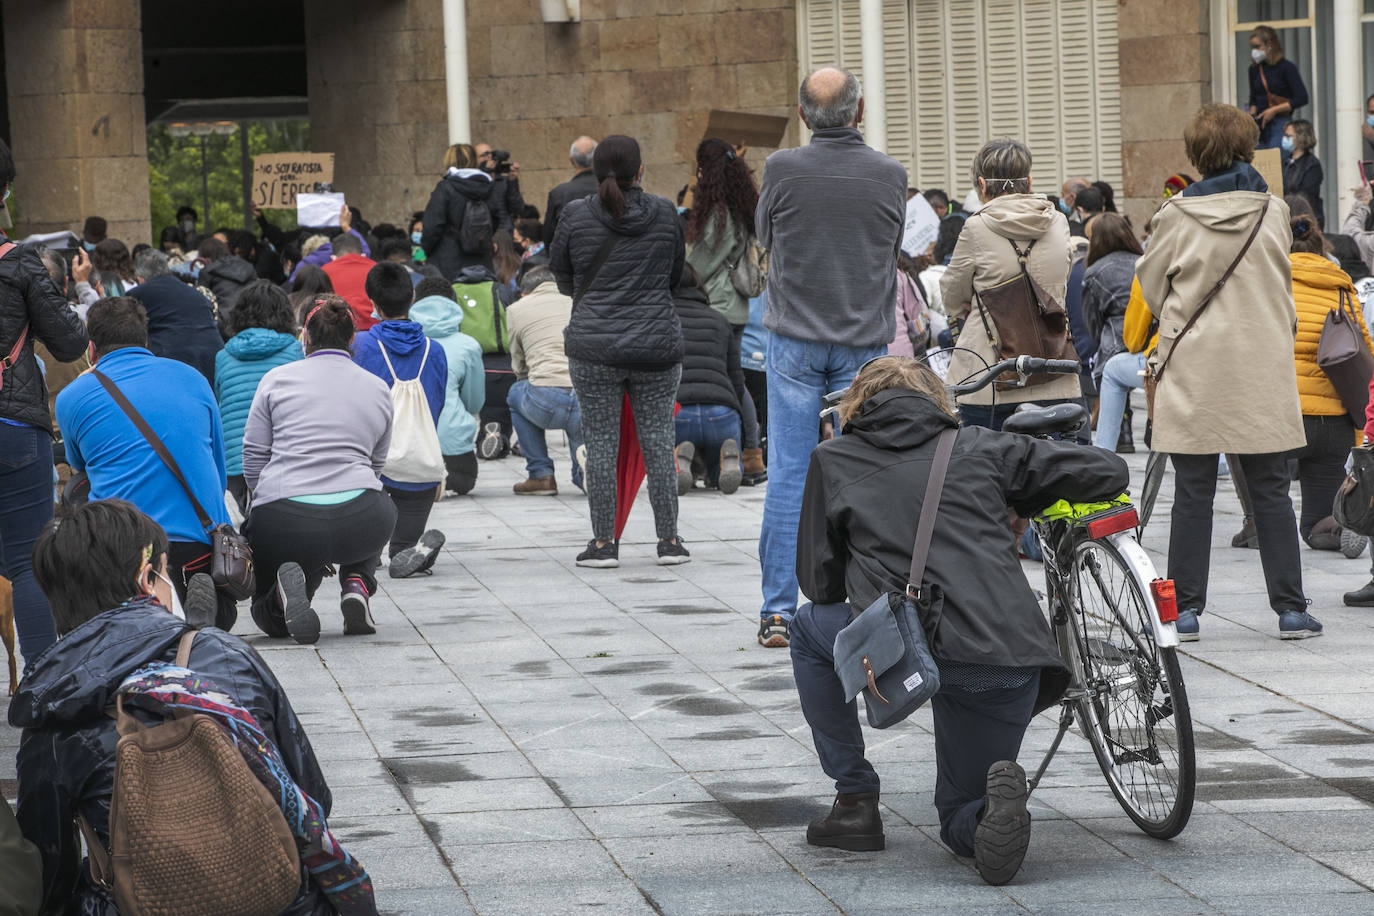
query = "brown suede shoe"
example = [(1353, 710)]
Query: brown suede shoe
[(751, 463), (537, 486)]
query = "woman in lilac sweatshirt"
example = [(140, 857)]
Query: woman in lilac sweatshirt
[(316, 439)]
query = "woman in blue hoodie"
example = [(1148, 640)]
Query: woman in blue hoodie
[(439, 313), (264, 336), (413, 548)]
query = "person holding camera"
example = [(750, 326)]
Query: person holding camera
[(505, 176)]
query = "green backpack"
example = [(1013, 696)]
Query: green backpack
[(484, 317)]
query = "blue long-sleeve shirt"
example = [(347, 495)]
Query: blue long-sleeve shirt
[(178, 404), (1284, 80)]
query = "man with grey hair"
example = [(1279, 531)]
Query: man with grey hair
[(579, 186), (542, 397), (181, 322), (1068, 198), (831, 215)]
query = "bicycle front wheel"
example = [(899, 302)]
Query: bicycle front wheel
[(1134, 711)]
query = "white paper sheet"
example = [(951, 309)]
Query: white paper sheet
[(315, 210), (922, 225)]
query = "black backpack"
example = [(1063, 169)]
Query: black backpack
[(475, 232), (1354, 505)]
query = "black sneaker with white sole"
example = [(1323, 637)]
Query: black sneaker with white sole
[(1003, 833), (301, 620), (600, 556), (672, 553), (416, 560), (493, 446)]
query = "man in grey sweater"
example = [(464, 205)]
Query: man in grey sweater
[(831, 215)]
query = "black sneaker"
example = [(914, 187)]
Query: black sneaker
[(1003, 833), (853, 823), (201, 601), (493, 445), (1362, 596), (417, 560), (604, 556), (357, 614), (301, 620), (774, 632), (672, 553)]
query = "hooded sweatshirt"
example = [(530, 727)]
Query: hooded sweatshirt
[(454, 193), (465, 391), (983, 258), (406, 347), (66, 756), (239, 367)]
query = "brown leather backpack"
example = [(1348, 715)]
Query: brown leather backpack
[(1021, 319), (192, 831)]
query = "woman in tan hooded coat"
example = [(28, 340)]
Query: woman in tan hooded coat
[(1230, 384)]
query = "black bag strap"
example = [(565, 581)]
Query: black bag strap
[(1211, 293), (925, 527), (157, 445), (598, 261)]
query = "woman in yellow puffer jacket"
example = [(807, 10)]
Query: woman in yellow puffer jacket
[(1319, 288)]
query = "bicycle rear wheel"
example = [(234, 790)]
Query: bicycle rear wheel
[(1135, 708)]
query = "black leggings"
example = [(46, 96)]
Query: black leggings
[(1321, 466), (412, 514), (349, 535), (756, 380), (462, 473), (748, 414)]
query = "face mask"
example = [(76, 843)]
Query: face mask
[(1369, 119), (1287, 144), (415, 238), (1064, 208), (176, 601), (188, 225), (87, 245), (1258, 55), (7, 196)]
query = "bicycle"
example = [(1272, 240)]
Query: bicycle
[(1114, 623)]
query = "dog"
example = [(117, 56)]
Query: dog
[(7, 629)]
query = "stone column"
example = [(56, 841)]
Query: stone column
[(377, 102), (75, 75), (1166, 75)]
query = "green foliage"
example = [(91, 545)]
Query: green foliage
[(174, 172)]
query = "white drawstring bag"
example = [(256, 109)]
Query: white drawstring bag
[(415, 455)]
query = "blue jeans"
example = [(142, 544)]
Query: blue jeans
[(1119, 376), (707, 426), (799, 373), (536, 408), (1271, 135), (973, 729), (25, 507)]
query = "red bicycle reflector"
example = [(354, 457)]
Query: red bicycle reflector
[(1111, 524), (1166, 600)]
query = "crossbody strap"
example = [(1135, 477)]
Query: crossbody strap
[(157, 445), (1211, 293), (598, 261), (925, 527)]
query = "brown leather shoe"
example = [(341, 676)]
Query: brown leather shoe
[(751, 463), (537, 486)]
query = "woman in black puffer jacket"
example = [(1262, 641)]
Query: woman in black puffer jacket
[(31, 309), (624, 337), (711, 392)]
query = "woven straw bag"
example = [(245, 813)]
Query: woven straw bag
[(192, 831)]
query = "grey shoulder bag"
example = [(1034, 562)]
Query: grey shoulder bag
[(883, 653)]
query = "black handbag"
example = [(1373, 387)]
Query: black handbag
[(883, 653), (1354, 506), (231, 559)]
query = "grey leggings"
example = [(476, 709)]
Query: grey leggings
[(600, 393)]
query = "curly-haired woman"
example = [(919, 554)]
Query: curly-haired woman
[(718, 229)]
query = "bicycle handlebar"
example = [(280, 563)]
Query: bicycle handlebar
[(1023, 366)]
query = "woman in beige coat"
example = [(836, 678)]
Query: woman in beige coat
[(985, 256), (1230, 385)]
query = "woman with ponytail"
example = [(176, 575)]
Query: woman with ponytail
[(619, 254), (315, 442), (718, 230), (1320, 287)]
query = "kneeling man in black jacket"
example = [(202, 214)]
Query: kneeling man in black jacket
[(997, 658)]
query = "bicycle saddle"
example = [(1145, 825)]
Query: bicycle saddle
[(1042, 421)]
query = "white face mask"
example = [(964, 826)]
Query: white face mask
[(176, 608), (1258, 55)]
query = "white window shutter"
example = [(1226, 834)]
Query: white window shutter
[(1107, 82), (820, 34), (1078, 119), (931, 97), (967, 91), (1045, 130), (897, 64)]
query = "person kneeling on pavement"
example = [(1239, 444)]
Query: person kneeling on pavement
[(711, 392), (997, 659), (314, 443), (105, 572), (542, 397), (438, 312)]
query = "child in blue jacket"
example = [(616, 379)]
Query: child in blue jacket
[(439, 313)]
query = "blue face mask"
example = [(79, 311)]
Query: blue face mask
[(6, 198), (1287, 144), (1369, 119), (87, 245), (415, 238)]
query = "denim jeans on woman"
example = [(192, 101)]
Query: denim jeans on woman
[(1119, 376), (707, 426), (799, 373), (26, 498), (536, 408)]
